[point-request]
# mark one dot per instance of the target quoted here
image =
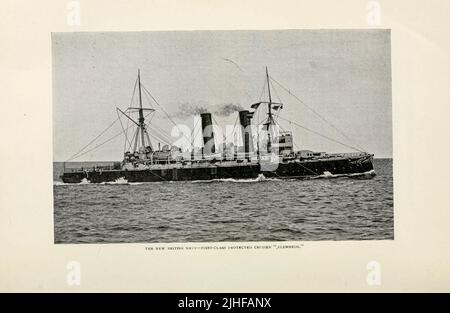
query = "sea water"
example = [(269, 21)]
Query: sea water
[(228, 210)]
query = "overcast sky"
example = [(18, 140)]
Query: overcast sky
[(344, 75)]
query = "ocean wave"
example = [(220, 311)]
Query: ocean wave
[(120, 181), (84, 181), (329, 175), (260, 178)]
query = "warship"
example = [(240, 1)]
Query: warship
[(265, 150)]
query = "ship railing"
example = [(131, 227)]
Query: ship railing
[(325, 156), (348, 154), (202, 164), (90, 168)]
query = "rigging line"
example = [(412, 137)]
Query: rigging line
[(97, 146), (314, 111), (151, 172), (147, 124), (277, 115), (134, 92), (276, 94), (279, 125), (161, 132), (156, 174), (158, 138), (233, 131), (147, 96), (76, 155), (257, 120), (154, 128), (126, 133), (151, 118), (127, 110), (315, 173), (132, 139), (307, 168), (226, 137), (275, 172), (131, 103), (214, 120), (126, 137), (158, 135), (199, 130), (193, 134), (101, 144), (217, 124), (321, 135), (90, 142), (196, 122), (168, 116), (296, 146), (262, 121), (279, 100), (125, 144)]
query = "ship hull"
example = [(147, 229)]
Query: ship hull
[(317, 168), (284, 170), (173, 174)]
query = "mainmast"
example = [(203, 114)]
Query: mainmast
[(141, 112), (270, 120), (270, 97)]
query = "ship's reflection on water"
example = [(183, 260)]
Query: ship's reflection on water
[(227, 210)]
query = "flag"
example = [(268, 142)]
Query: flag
[(278, 106), (255, 105)]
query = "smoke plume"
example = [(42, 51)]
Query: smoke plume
[(227, 109), (186, 110)]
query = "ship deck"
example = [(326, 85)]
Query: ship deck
[(197, 164)]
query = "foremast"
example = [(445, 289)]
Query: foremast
[(142, 127), (142, 142), (270, 120)]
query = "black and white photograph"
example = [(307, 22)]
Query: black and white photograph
[(224, 155), (222, 136)]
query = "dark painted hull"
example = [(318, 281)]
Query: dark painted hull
[(319, 167), (303, 169)]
